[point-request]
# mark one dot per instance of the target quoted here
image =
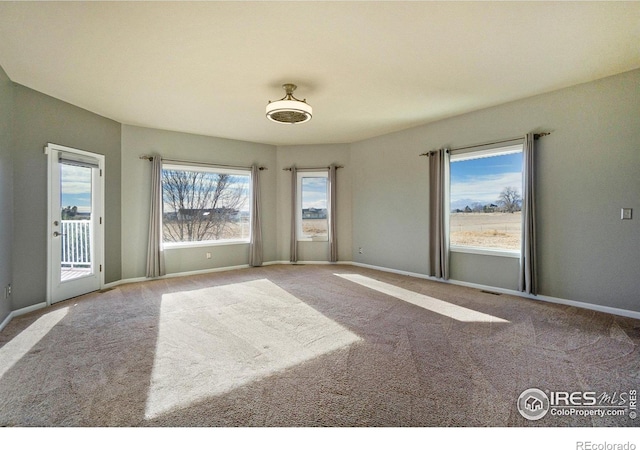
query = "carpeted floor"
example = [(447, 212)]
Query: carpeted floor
[(292, 346)]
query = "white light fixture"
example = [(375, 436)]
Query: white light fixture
[(289, 109)]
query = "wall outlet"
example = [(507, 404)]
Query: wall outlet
[(360, 250), (625, 213), (7, 291), (208, 255)]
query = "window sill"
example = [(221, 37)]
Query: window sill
[(314, 239), (175, 245), (486, 251)]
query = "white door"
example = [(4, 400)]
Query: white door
[(75, 230)]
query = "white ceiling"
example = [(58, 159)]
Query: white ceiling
[(367, 68)]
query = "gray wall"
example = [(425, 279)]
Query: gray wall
[(315, 156), (587, 169), (38, 120), (6, 189), (137, 141), (390, 201)]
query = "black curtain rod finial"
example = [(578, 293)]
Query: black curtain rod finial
[(539, 135)]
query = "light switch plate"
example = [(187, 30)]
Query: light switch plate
[(625, 213)]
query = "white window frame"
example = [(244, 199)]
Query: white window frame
[(310, 174), (209, 169), (484, 152)]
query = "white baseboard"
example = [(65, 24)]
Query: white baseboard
[(215, 269), (315, 263), (396, 271), (124, 281), (174, 275), (21, 311), (28, 309), (301, 263), (6, 321), (545, 298), (600, 308)]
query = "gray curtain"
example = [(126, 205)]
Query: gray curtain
[(293, 254), (155, 252), (255, 242), (528, 278), (438, 214), (333, 241)]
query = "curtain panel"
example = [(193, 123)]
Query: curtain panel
[(155, 252), (255, 241), (293, 249), (527, 280), (438, 214), (333, 237)]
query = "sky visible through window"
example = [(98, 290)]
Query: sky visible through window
[(481, 180), (75, 189), (314, 192)]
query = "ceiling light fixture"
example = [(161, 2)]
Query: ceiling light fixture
[(289, 109)]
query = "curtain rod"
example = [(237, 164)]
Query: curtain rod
[(200, 163), (313, 168), (535, 136)]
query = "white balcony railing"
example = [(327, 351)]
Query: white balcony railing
[(76, 243)]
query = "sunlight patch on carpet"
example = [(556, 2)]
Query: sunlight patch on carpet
[(20, 345), (424, 301), (213, 340)]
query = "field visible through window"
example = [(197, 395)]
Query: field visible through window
[(496, 230), (315, 227)]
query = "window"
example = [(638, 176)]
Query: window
[(312, 211), (485, 200), (205, 205)]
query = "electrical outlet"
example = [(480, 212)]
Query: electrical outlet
[(7, 291), (208, 255), (360, 250), (625, 213)]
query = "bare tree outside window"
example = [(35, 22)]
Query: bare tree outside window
[(204, 206), (510, 200)]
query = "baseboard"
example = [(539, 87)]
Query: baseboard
[(175, 275), (20, 312), (114, 284), (6, 321), (396, 271), (544, 298), (591, 306), (316, 263)]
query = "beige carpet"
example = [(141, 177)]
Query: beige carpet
[(307, 346)]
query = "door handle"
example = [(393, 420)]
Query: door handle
[(56, 234)]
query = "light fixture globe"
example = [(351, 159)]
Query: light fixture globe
[(289, 109)]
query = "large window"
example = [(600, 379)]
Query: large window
[(312, 212), (485, 200), (205, 205)]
